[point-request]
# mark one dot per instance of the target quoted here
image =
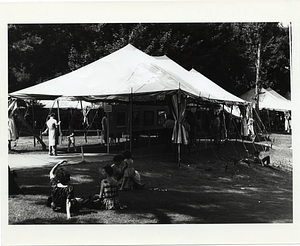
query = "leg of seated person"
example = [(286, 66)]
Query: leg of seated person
[(266, 160)]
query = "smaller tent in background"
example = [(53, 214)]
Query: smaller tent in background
[(277, 95), (272, 108), (268, 99)]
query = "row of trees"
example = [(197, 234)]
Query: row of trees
[(226, 53)]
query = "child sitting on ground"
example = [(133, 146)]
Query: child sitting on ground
[(131, 178), (117, 167), (128, 171), (62, 195), (108, 197)]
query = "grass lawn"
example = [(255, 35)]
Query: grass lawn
[(208, 188)]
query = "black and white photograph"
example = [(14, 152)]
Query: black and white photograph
[(151, 128)]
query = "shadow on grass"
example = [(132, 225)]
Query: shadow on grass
[(200, 192)]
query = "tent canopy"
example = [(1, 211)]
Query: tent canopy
[(268, 99), (127, 72)]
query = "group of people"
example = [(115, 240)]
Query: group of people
[(118, 176)]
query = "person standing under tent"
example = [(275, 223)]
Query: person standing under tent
[(215, 128), (169, 126), (12, 129), (287, 123), (71, 139), (52, 125), (104, 128), (251, 133), (192, 121)]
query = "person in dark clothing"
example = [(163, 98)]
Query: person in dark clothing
[(169, 126), (256, 159), (265, 161), (62, 194), (13, 188), (215, 129)]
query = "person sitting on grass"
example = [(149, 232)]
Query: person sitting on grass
[(256, 159), (131, 178), (117, 167), (62, 194), (265, 161), (13, 188), (108, 197)]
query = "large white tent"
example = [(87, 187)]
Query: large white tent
[(122, 73), (268, 99), (126, 72)]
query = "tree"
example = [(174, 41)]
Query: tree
[(226, 53)]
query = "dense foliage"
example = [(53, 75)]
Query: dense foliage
[(226, 53)]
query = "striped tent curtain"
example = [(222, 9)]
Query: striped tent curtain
[(178, 108)]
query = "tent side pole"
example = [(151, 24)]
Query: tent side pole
[(59, 127), (257, 90), (230, 121), (130, 122), (178, 111), (84, 133), (34, 143)]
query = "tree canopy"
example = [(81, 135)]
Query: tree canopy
[(226, 53)]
